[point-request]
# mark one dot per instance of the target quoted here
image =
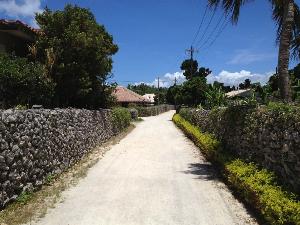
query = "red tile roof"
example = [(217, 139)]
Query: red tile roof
[(125, 95), (17, 24)]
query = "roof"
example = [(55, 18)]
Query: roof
[(125, 95), (242, 93), (18, 28)]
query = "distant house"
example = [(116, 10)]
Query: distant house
[(125, 96), (150, 97), (243, 93), (15, 36)]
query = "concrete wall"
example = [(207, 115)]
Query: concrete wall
[(37, 143), (269, 137)]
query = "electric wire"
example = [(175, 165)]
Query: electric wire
[(200, 26)]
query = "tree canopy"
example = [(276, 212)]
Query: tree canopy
[(77, 53)]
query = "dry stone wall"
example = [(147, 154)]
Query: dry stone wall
[(37, 143), (268, 136)]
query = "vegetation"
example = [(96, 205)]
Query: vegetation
[(23, 83), (287, 17), (76, 52), (191, 92), (121, 118), (258, 187), (142, 89)]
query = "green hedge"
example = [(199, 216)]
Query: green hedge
[(154, 110), (121, 118), (256, 186)]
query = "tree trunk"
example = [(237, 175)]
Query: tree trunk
[(284, 51)]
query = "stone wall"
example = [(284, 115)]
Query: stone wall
[(267, 136), (154, 110), (37, 143)]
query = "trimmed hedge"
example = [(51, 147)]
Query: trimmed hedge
[(121, 118), (267, 135), (256, 186), (154, 110)]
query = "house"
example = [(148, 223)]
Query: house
[(243, 93), (150, 97), (16, 36), (125, 96)]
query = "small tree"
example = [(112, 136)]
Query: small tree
[(77, 52)]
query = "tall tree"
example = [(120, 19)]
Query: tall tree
[(77, 52), (190, 68), (287, 16)]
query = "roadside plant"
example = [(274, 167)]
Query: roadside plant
[(215, 97)]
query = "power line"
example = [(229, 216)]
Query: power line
[(222, 17), (206, 29), (200, 26), (222, 28)]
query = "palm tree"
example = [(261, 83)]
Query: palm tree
[(287, 16)]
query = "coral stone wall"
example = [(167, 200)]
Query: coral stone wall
[(267, 136), (154, 110), (37, 143)]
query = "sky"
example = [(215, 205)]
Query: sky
[(153, 37)]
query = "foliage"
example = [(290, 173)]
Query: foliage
[(191, 92), (190, 68), (142, 89), (24, 197), (153, 110), (121, 118), (256, 186), (215, 97), (77, 53), (23, 83)]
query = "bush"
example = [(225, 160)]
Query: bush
[(23, 83), (256, 186), (153, 110), (121, 119)]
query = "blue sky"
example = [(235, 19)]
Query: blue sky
[(153, 35)]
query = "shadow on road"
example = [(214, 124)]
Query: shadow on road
[(203, 171)]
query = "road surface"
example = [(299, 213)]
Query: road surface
[(154, 176)]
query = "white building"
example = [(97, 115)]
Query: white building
[(149, 97)]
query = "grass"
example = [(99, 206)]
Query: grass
[(256, 186)]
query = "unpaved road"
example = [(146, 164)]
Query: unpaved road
[(153, 176)]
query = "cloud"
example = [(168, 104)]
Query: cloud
[(167, 80), (247, 57), (235, 78), (21, 9)]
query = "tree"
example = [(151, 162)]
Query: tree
[(77, 53), (190, 68), (287, 16), (23, 83)]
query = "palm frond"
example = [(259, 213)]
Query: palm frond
[(232, 7)]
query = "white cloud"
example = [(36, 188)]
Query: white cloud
[(247, 57), (235, 78), (24, 9), (228, 78), (167, 80)]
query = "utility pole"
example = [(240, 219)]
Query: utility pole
[(158, 91), (191, 52), (175, 81)]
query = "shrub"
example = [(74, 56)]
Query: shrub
[(121, 118), (153, 110), (258, 187), (23, 82)]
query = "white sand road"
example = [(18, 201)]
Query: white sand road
[(155, 175)]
